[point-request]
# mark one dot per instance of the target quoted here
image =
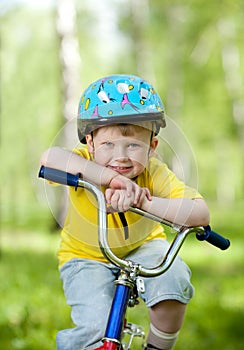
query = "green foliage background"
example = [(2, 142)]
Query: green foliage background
[(180, 44)]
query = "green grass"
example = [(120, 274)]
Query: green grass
[(216, 314), (33, 308)]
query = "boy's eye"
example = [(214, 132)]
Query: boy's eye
[(133, 145), (109, 144)]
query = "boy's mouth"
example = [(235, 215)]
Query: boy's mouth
[(120, 169)]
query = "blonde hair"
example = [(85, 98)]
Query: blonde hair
[(130, 129)]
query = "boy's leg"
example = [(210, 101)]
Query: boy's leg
[(89, 288), (165, 295), (166, 319), (167, 316)]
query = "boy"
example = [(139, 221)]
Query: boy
[(118, 120)]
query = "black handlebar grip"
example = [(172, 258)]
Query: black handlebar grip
[(59, 176), (213, 238)]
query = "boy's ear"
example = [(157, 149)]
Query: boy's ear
[(89, 141), (153, 146)]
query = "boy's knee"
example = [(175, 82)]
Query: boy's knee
[(168, 315)]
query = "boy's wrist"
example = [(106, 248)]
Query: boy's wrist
[(108, 176), (146, 204), (97, 174)]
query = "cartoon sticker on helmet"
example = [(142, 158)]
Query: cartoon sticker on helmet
[(87, 104), (95, 112), (124, 88), (103, 96), (143, 93), (125, 101)]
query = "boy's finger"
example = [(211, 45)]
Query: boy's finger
[(148, 194), (108, 194), (137, 194), (129, 187)]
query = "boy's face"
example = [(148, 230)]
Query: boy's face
[(127, 155)]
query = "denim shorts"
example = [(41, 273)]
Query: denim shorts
[(89, 289)]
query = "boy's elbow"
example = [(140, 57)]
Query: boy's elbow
[(49, 155), (44, 158), (205, 220), (204, 215)]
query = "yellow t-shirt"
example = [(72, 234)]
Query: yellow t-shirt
[(79, 237)]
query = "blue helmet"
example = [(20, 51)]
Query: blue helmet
[(118, 99)]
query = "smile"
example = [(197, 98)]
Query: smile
[(120, 169)]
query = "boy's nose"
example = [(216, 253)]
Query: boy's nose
[(121, 154), (122, 158)]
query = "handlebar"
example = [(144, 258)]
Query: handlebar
[(202, 233)]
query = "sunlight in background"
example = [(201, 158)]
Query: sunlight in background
[(6, 5), (32, 3), (105, 28)]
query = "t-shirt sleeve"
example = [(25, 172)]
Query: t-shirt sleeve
[(83, 152)]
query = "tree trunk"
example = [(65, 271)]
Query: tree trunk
[(182, 159), (141, 51), (231, 59), (70, 66)]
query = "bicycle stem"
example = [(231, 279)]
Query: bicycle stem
[(126, 264)]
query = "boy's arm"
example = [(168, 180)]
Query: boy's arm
[(65, 160), (181, 211), (70, 162)]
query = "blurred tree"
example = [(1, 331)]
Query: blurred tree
[(231, 60), (29, 107), (140, 47), (69, 55)]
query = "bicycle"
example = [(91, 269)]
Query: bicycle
[(129, 281)]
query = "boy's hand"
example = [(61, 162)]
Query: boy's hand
[(120, 201), (120, 182)]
